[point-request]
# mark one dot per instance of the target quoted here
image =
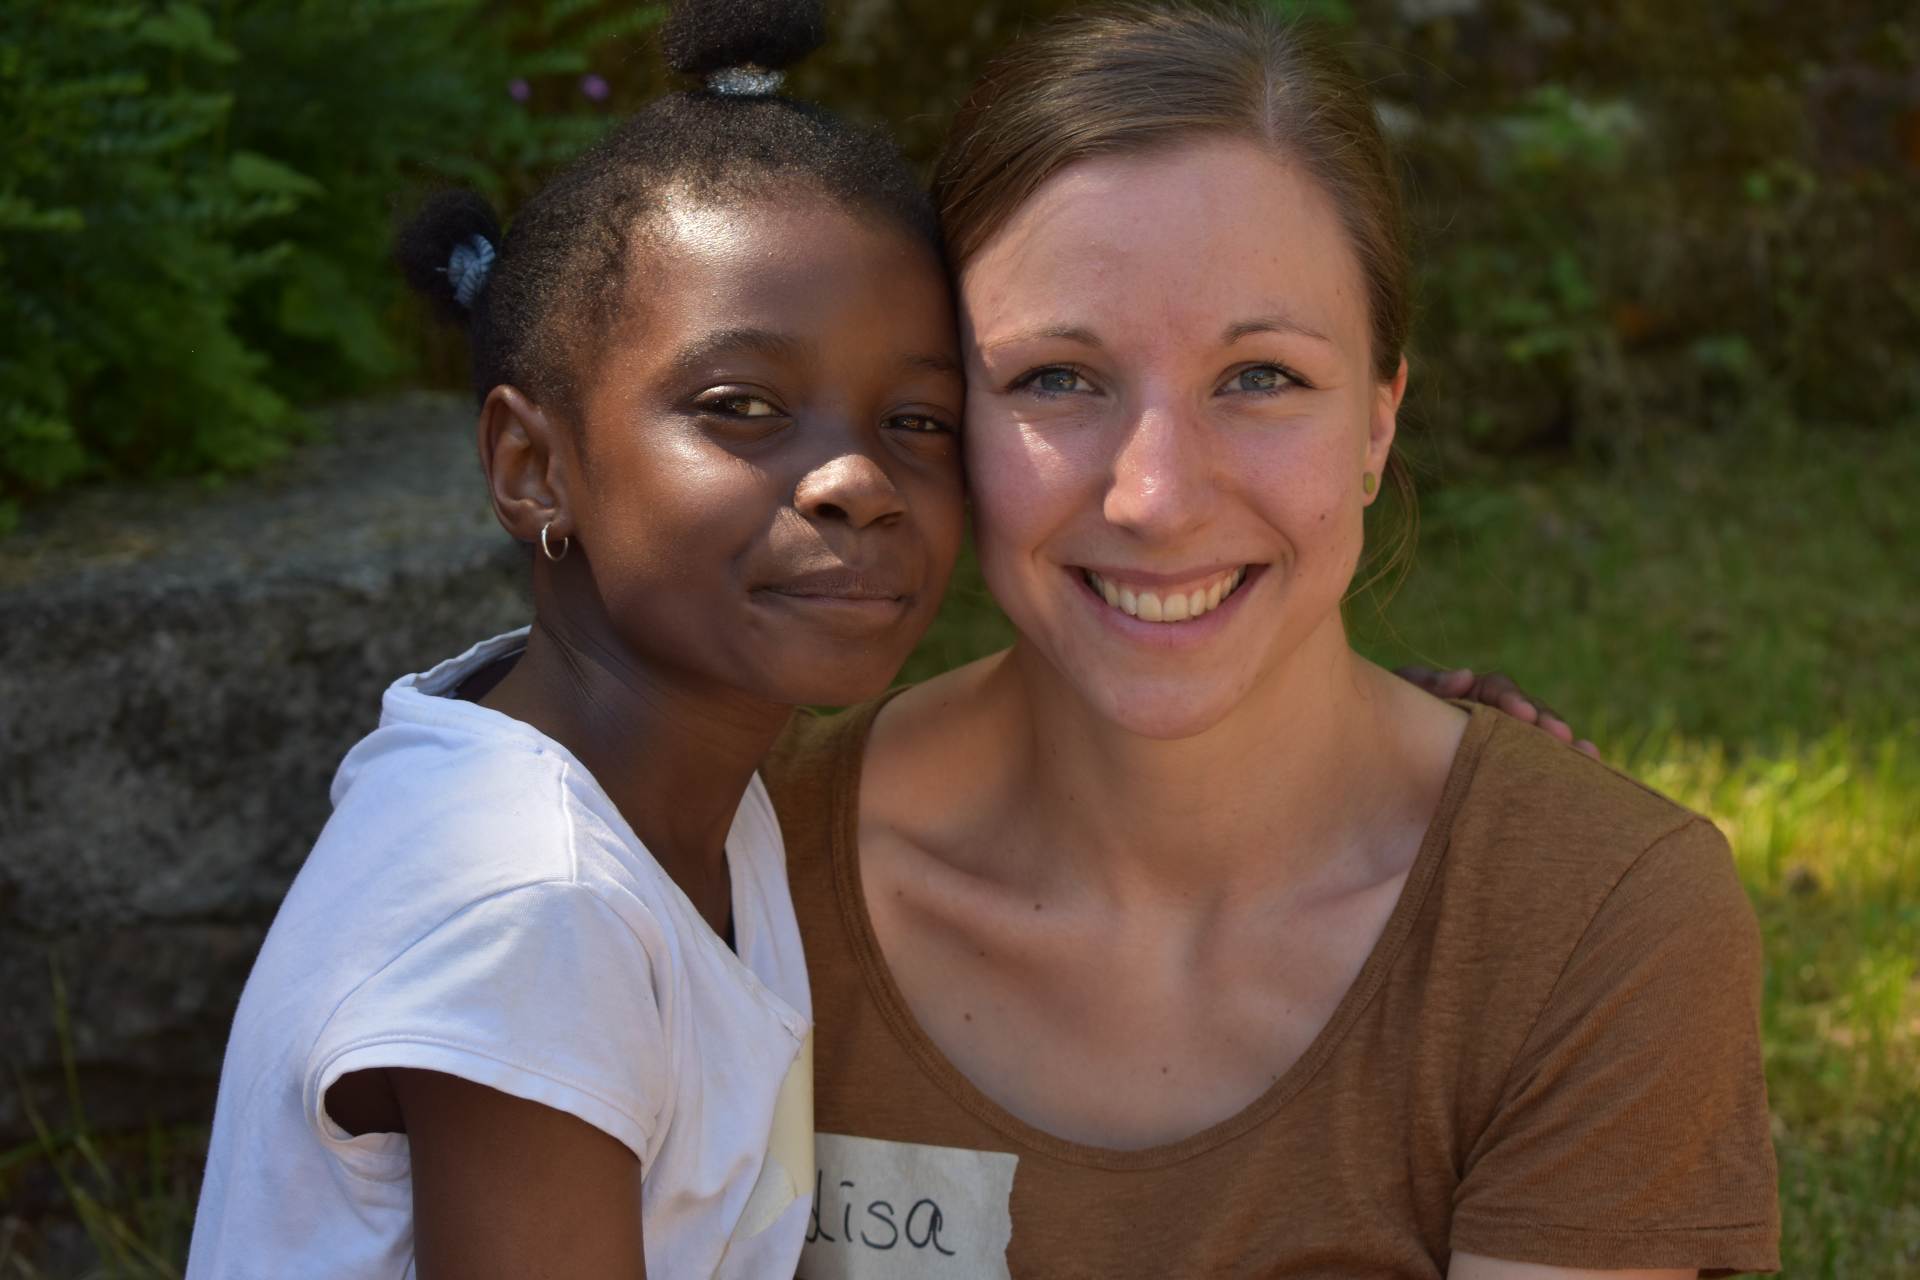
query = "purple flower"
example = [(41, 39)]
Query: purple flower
[(595, 86), (519, 90)]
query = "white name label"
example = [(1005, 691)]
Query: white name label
[(898, 1209)]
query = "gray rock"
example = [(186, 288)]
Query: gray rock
[(180, 672)]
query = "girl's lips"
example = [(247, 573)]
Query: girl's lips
[(840, 584)]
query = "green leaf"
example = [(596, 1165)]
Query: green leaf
[(20, 214), (251, 171), (186, 28)]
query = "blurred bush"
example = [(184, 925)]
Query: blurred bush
[(1639, 217), (1635, 218), (196, 196)]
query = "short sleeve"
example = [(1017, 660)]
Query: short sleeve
[(544, 992), (1633, 1129)]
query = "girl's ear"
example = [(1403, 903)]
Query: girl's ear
[(525, 457)]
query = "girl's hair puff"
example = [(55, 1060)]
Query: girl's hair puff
[(562, 270)]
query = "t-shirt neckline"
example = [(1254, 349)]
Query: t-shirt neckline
[(851, 896)]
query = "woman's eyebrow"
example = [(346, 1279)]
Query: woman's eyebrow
[(1270, 324), (1071, 333)]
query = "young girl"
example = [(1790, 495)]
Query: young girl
[(536, 1004)]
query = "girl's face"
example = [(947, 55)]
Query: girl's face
[(766, 484), (1171, 406)]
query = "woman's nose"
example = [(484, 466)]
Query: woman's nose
[(852, 488), (1162, 475)]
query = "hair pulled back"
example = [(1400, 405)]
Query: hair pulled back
[(1129, 78), (562, 270)]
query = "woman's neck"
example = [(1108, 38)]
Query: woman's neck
[(674, 755), (1321, 763)]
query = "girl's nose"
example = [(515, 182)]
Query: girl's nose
[(1162, 481), (852, 488)]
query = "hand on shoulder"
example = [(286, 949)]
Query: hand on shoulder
[(1499, 692)]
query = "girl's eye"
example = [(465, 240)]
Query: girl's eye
[(1056, 381), (743, 407), (918, 422)]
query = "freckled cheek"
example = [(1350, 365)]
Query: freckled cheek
[(1024, 487), (1307, 501)]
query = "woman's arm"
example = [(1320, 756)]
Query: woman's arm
[(1467, 1266), (502, 1187)]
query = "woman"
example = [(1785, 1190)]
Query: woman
[(1178, 939)]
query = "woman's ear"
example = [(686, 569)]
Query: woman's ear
[(1384, 422), (525, 456)]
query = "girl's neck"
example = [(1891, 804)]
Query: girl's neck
[(674, 754)]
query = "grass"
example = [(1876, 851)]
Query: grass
[(93, 1205), (1732, 622)]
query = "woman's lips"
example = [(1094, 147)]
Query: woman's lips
[(1180, 601)]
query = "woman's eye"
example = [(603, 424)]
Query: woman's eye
[(1260, 378), (1058, 381), (744, 407)]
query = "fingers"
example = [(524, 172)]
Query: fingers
[(1554, 725), (1441, 684), (1499, 692)]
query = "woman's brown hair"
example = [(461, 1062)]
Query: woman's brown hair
[(1128, 78)]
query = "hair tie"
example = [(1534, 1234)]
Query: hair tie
[(746, 82), (467, 268)]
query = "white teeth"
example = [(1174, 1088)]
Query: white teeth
[(1177, 607)]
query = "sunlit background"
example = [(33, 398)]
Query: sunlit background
[(1666, 407)]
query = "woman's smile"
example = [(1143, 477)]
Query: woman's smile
[(1186, 598)]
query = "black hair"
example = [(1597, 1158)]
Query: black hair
[(562, 269)]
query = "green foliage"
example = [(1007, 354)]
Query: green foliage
[(196, 199), (117, 251), (1639, 219)]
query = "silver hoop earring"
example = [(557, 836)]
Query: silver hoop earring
[(566, 544)]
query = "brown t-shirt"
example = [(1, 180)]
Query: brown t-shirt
[(1552, 1055)]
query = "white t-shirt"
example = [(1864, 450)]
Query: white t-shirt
[(477, 906)]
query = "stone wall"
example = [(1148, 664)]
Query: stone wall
[(180, 671)]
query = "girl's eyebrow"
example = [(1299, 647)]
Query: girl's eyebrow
[(775, 346), (935, 364)]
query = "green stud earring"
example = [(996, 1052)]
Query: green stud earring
[(1367, 483)]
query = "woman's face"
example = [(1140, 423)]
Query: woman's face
[(1171, 407)]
